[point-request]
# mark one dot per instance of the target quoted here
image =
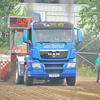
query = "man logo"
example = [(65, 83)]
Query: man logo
[(53, 54)]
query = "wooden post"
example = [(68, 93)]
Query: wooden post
[(10, 40)]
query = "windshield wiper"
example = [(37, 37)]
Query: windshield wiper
[(46, 42), (60, 42), (43, 42), (51, 42), (63, 42)]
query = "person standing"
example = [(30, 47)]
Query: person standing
[(97, 66), (19, 39)]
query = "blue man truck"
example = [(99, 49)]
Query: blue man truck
[(51, 53)]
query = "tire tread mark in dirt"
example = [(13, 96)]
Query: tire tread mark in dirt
[(83, 90), (16, 95), (50, 96), (27, 95), (74, 92), (7, 95)]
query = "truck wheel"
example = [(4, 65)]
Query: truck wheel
[(27, 80), (71, 81), (18, 79)]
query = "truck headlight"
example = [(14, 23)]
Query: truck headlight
[(36, 65), (70, 65)]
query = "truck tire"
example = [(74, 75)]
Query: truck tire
[(18, 79), (71, 81), (27, 80)]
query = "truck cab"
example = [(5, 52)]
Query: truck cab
[(51, 53)]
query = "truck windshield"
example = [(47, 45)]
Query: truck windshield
[(53, 36)]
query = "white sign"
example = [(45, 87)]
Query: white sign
[(53, 75)]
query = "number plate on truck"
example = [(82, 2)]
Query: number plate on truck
[(53, 75)]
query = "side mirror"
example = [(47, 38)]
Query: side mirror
[(79, 34), (25, 36), (29, 42)]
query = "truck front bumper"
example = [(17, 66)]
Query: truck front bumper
[(53, 69), (42, 73)]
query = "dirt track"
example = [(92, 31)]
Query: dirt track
[(84, 89)]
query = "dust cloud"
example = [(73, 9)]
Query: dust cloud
[(68, 8), (29, 4)]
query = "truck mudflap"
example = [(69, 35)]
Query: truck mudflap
[(21, 68), (20, 65)]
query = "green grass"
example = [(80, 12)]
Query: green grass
[(86, 71), (3, 50)]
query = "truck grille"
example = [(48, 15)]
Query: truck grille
[(53, 54), (53, 65), (54, 71)]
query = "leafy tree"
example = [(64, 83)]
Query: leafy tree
[(90, 16), (6, 7), (90, 20)]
